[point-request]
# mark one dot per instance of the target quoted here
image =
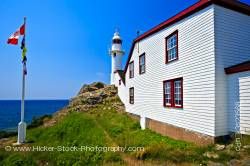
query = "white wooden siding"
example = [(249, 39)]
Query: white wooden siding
[(245, 104), (121, 88), (196, 65), (232, 38), (233, 96)]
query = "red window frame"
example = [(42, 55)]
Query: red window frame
[(172, 93), (131, 96), (142, 55), (166, 47), (131, 71)]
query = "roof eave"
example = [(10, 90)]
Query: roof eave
[(245, 66)]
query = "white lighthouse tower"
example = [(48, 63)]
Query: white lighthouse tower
[(116, 53)]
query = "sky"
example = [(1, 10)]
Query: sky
[(68, 41)]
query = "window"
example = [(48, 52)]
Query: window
[(120, 82), (142, 63), (173, 93), (131, 95), (117, 41), (131, 69), (172, 47)]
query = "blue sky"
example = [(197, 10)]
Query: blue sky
[(67, 41)]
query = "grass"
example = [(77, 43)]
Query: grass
[(36, 122), (77, 129), (104, 127), (127, 133)]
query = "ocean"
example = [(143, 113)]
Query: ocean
[(10, 111)]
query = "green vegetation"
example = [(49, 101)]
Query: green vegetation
[(6, 134), (103, 126), (38, 121)]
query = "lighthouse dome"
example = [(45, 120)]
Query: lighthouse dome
[(116, 38)]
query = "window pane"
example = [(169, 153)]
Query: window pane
[(172, 47), (131, 95), (168, 44), (175, 43), (172, 54), (177, 92), (131, 70), (172, 42), (142, 69), (167, 93), (142, 64), (142, 59)]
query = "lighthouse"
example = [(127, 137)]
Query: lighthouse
[(116, 53)]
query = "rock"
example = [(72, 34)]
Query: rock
[(230, 146), (246, 162), (103, 95), (246, 146), (211, 155), (91, 87), (98, 85), (234, 162), (93, 94), (219, 147), (211, 163), (4, 139)]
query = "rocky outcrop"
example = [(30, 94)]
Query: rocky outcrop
[(91, 87), (90, 96), (93, 94)]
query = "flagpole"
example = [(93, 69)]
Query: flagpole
[(23, 86), (22, 124), (23, 96)]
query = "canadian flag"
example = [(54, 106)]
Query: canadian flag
[(13, 39)]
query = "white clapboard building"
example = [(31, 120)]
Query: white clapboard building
[(189, 77)]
